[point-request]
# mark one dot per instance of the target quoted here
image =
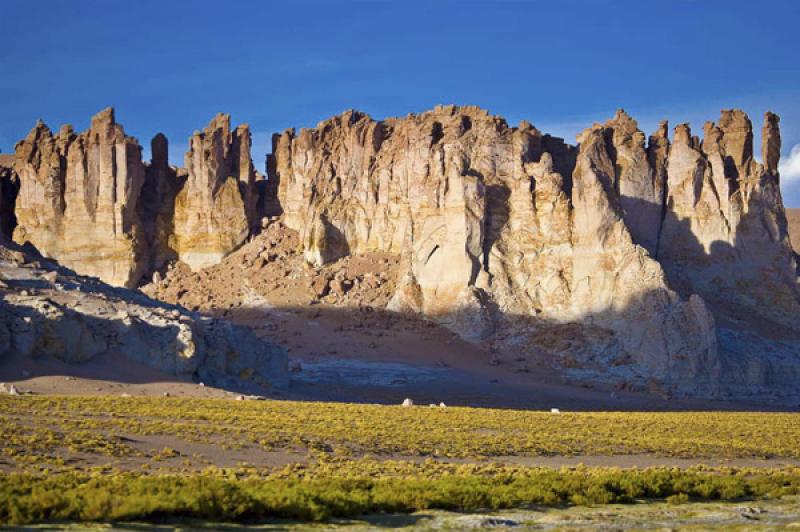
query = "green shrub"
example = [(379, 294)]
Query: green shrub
[(678, 498), (220, 496)]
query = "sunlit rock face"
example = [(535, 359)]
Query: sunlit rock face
[(216, 207), (621, 256), (506, 232), (793, 216), (78, 198), (90, 202)]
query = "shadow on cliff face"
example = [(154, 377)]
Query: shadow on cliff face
[(750, 289), (754, 273), (376, 356), (369, 355), (9, 188), (59, 341), (48, 312), (529, 363)]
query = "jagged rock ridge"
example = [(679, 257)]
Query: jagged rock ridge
[(216, 209), (90, 202), (77, 198), (505, 231)]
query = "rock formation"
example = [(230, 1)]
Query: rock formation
[(9, 187), (88, 201), (725, 234), (508, 232), (162, 183), (641, 250), (78, 198), (49, 311), (216, 208)]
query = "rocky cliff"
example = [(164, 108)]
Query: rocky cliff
[(90, 202), (793, 217), (78, 197), (627, 256), (508, 232), (216, 208), (9, 188)]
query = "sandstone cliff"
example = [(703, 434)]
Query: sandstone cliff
[(507, 232), (156, 206), (90, 202), (725, 232), (793, 217), (78, 198), (216, 208), (628, 256)]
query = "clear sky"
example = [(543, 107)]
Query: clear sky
[(170, 65)]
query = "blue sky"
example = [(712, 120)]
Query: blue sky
[(169, 66)]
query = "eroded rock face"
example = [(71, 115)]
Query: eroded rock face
[(78, 198), (88, 201), (216, 208), (504, 231), (793, 216), (634, 250), (725, 234), (509, 233), (49, 311)]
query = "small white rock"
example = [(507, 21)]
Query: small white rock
[(240, 397), (408, 402), (202, 384), (555, 411), (442, 405)]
